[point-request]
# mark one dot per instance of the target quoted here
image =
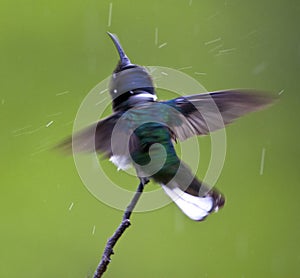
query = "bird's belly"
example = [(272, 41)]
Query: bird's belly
[(122, 162)]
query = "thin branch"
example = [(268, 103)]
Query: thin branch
[(108, 251)]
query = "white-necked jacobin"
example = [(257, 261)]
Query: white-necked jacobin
[(142, 131)]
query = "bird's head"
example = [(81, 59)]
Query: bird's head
[(128, 78)]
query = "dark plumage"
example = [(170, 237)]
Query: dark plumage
[(141, 131)]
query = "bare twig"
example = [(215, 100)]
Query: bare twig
[(108, 251)]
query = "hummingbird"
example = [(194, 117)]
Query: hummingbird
[(141, 132)]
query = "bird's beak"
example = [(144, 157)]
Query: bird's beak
[(124, 60)]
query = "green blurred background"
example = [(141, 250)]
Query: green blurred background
[(53, 52)]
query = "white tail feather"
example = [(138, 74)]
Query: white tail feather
[(196, 208)]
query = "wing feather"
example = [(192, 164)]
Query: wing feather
[(203, 113), (96, 137)]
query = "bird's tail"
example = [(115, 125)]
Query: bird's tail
[(196, 200)]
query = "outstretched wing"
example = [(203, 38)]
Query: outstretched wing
[(95, 137), (203, 113)]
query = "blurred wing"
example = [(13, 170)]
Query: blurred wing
[(203, 113), (96, 137)]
